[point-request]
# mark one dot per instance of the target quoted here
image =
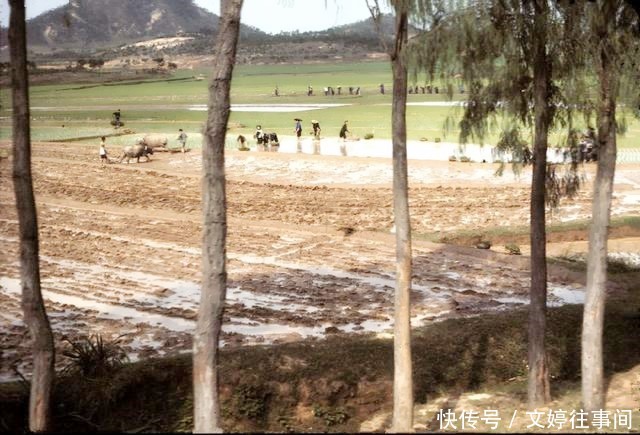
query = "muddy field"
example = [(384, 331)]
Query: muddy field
[(310, 246)]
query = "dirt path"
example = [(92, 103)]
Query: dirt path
[(310, 249)]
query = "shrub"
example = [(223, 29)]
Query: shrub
[(513, 249), (437, 139), (368, 136), (330, 416), (465, 159), (92, 356), (250, 401)]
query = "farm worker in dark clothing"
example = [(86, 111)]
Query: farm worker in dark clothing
[(116, 118), (316, 128), (260, 137), (298, 128), (241, 142), (344, 130), (182, 140)]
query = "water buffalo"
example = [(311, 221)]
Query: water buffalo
[(154, 141), (135, 151)]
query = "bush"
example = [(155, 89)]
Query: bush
[(368, 136), (465, 159), (453, 159), (513, 249), (250, 401), (330, 416), (92, 356), (437, 139)]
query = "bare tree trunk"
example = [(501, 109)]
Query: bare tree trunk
[(538, 385), (403, 378), (595, 295), (214, 280), (35, 316)]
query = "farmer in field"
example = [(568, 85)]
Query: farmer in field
[(344, 130), (316, 128), (182, 140), (259, 137), (104, 158), (116, 118), (241, 142), (298, 127)]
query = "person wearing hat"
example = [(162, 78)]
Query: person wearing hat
[(344, 130), (316, 128), (259, 136), (298, 127)]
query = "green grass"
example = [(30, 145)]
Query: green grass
[(523, 230), (159, 104)]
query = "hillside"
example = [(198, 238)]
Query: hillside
[(125, 31), (100, 23)]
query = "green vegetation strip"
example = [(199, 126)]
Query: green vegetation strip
[(523, 231), (97, 136), (128, 83), (152, 105)]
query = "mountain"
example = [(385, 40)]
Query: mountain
[(131, 30), (361, 31), (100, 23), (366, 29)]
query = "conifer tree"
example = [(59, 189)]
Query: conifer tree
[(513, 57)]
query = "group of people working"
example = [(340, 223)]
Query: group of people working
[(269, 141), (315, 125)]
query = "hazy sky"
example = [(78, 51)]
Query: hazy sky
[(271, 16)]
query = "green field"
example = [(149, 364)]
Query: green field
[(161, 105)]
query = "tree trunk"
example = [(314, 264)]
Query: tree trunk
[(593, 320), (35, 316), (402, 379), (214, 275), (538, 385)]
